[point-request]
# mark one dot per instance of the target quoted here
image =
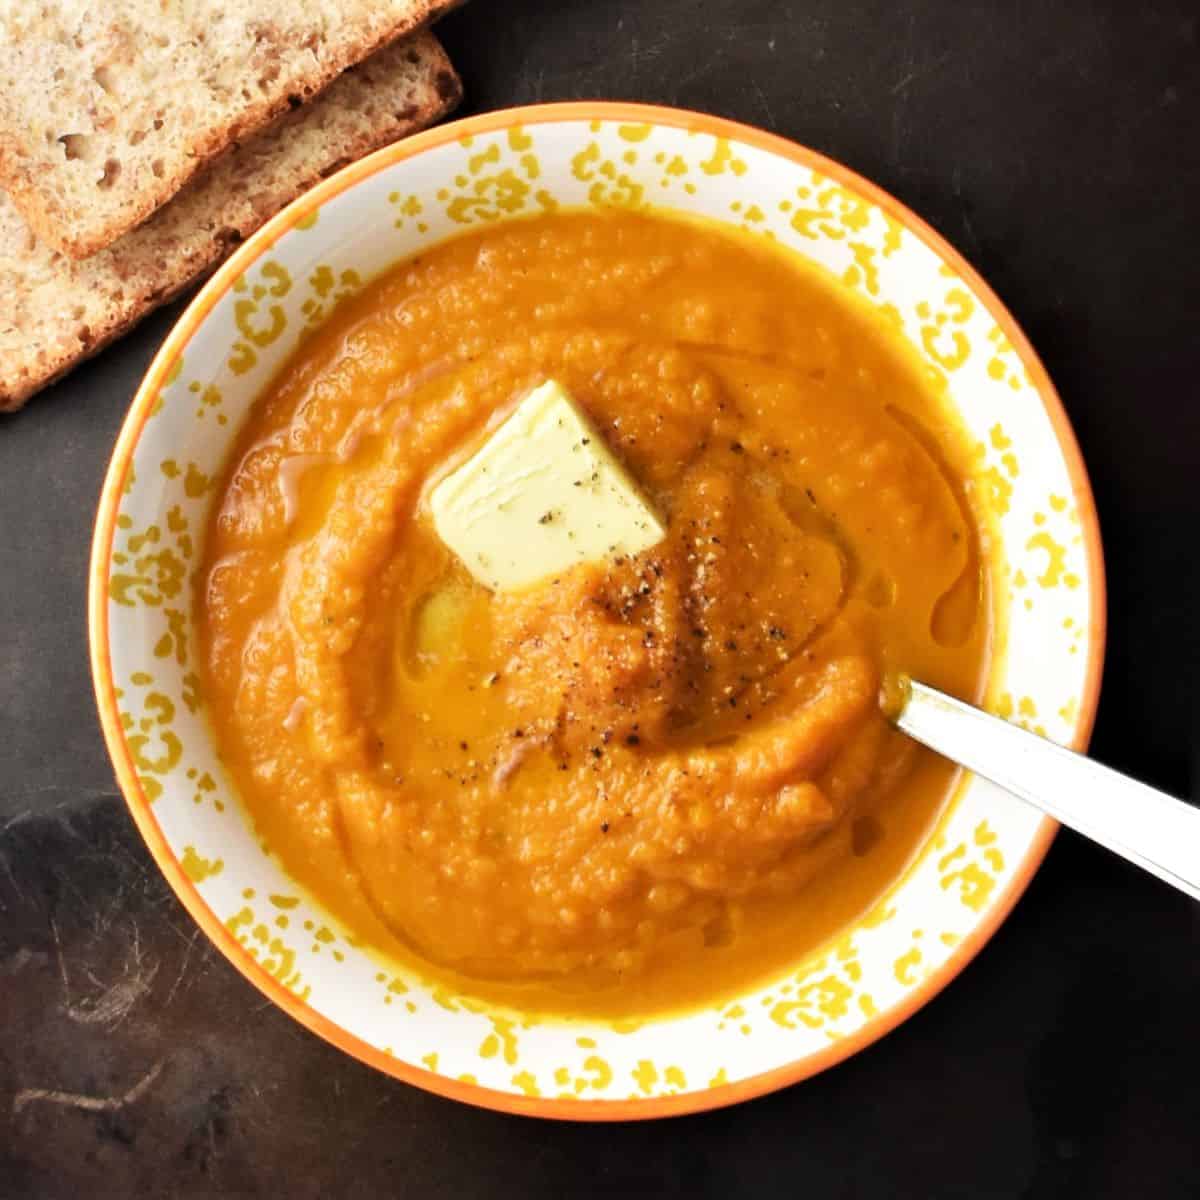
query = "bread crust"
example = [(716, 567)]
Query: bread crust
[(80, 219), (64, 311)]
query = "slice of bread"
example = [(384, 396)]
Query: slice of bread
[(107, 109), (55, 311)]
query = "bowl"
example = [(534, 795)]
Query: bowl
[(243, 325)]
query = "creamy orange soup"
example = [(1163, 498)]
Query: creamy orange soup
[(641, 784)]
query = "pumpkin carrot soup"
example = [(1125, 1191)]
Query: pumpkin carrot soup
[(646, 779)]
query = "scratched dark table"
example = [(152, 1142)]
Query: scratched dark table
[(1058, 146)]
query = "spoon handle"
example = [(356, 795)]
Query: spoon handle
[(1148, 827)]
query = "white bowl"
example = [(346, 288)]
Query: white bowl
[(246, 322)]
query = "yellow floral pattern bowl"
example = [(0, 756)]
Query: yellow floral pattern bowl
[(246, 321)]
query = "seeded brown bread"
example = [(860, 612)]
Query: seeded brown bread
[(107, 109), (55, 311)]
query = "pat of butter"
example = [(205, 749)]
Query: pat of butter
[(543, 493)]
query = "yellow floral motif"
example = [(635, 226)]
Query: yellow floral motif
[(723, 159), (599, 1070), (676, 169), (323, 282), (975, 885), (198, 869), (1001, 366), (998, 490), (646, 1075), (819, 994), (504, 192), (751, 214), (502, 1041), (862, 272), (527, 1082), (994, 479), (492, 190), (674, 1078), (328, 291), (173, 643), (195, 482), (986, 839), (191, 691), (268, 950), (244, 312), (241, 358), (153, 745), (892, 238), (581, 166), (394, 987), (595, 1074), (208, 397), (948, 347), (959, 304), (814, 1004), (149, 571), (891, 315), (634, 133), (980, 866), (610, 187), (407, 208), (626, 1026), (831, 212), (906, 965), (150, 566), (259, 329), (1056, 554), (477, 162), (1056, 558)]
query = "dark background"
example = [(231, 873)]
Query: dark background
[(1058, 146)]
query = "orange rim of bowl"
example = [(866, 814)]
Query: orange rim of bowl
[(98, 610)]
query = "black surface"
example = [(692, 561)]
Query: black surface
[(1056, 144)]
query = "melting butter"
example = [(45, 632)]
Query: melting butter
[(544, 493)]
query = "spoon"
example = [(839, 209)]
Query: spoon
[(1157, 832)]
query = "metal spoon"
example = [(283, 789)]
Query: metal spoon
[(1146, 826)]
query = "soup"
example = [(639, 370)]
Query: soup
[(647, 781)]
